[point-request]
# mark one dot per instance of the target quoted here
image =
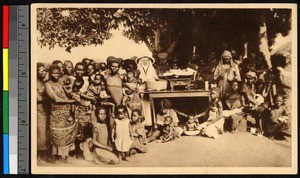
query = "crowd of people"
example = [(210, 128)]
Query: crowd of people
[(94, 110)]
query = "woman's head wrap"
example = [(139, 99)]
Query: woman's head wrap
[(250, 75), (165, 104), (216, 90)]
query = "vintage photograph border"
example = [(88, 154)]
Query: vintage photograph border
[(164, 170)]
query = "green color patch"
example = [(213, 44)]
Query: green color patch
[(5, 112)]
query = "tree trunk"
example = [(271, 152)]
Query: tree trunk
[(263, 40), (157, 42)]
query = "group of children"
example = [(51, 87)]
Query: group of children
[(211, 123)]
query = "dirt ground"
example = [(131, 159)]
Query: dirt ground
[(239, 150)]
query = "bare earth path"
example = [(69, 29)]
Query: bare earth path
[(239, 150)]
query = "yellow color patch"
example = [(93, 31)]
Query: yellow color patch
[(5, 69)]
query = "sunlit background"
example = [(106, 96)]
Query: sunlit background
[(118, 46)]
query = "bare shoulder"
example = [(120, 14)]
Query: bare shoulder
[(48, 83)]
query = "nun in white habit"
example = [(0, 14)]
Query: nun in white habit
[(147, 71)]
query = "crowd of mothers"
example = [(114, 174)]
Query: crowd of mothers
[(94, 110)]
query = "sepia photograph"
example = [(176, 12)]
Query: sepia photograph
[(164, 88)]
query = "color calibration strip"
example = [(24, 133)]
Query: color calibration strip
[(13, 89), (5, 91)]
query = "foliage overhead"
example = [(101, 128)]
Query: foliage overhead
[(73, 27)]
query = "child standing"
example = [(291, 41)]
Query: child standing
[(120, 132), (214, 123), (138, 132)]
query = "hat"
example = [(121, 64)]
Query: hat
[(250, 75), (112, 59), (226, 54), (133, 58), (138, 59)]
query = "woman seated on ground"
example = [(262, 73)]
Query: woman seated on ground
[(253, 101), (214, 124), (235, 101), (280, 119), (165, 111)]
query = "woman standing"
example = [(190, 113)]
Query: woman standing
[(42, 114), (114, 80), (226, 71), (62, 124)]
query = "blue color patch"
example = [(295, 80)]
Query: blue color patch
[(5, 154)]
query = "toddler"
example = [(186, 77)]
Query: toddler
[(73, 92), (213, 113), (168, 130), (131, 97), (121, 133), (104, 97), (95, 87), (191, 126)]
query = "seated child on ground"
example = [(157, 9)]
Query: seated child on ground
[(280, 118), (168, 130), (103, 152), (165, 111), (191, 126), (137, 126), (138, 132)]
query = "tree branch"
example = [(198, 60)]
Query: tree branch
[(173, 45), (148, 45)]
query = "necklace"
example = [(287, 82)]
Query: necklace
[(145, 71)]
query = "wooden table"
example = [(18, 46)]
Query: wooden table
[(149, 96)]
